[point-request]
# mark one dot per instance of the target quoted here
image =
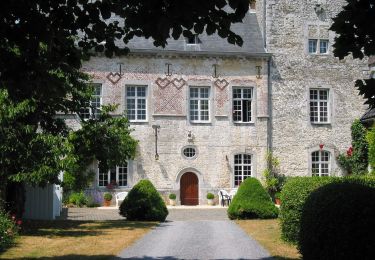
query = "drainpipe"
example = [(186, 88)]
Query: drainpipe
[(269, 122), (264, 24)]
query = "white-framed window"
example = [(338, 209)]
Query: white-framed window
[(318, 46), (320, 163), (136, 102), (242, 104), (319, 106), (117, 177), (323, 46), (93, 108), (242, 168), (194, 39), (199, 104)]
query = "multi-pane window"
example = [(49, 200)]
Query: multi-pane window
[(115, 177), (123, 175), (199, 104), (319, 105), (242, 168), (194, 39), (323, 46), (242, 104), (320, 163), (136, 103), (314, 43), (93, 107)]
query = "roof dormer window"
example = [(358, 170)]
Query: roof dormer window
[(194, 39), (252, 6)]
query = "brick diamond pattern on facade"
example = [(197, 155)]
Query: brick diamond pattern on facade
[(169, 96), (221, 96)]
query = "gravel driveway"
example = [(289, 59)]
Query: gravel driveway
[(196, 238)]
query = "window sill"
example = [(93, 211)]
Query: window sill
[(244, 123), (138, 121), (319, 54), (119, 188), (320, 124), (200, 122)]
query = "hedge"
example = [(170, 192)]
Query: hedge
[(293, 197), (337, 222), (143, 202), (252, 201)]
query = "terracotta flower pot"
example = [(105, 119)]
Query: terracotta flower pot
[(278, 201), (107, 203)]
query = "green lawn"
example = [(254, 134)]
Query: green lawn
[(267, 233), (75, 239)]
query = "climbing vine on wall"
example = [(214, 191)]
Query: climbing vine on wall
[(355, 160)]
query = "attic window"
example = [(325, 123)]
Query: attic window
[(193, 40), (252, 5)]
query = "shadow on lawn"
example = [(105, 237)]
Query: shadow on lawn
[(111, 257), (73, 228), (285, 258)]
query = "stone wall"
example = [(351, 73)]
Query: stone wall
[(216, 141), (290, 23)]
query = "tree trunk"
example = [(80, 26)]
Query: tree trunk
[(3, 192)]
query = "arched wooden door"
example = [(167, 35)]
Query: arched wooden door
[(189, 189)]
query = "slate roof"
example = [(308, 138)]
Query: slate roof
[(249, 30), (371, 60)]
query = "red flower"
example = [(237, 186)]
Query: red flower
[(19, 222), (349, 152)]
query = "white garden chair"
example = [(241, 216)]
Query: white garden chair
[(232, 193), (120, 197), (224, 197)]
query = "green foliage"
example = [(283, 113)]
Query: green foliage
[(354, 28), (144, 203), (107, 196), (26, 155), (370, 137), (172, 196), (338, 219), (293, 197), (86, 145), (8, 231), (273, 180), (78, 199), (210, 196), (42, 48), (252, 201), (356, 161), (296, 191)]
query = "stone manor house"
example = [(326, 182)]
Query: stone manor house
[(206, 112)]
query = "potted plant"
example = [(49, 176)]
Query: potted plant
[(277, 198), (172, 199), (210, 199), (107, 199)]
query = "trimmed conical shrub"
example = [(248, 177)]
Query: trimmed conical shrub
[(252, 201), (144, 203)]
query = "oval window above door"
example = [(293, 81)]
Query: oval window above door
[(189, 152)]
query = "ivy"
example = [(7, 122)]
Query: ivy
[(355, 161)]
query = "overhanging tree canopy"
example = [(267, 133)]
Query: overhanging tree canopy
[(355, 28), (42, 45)]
